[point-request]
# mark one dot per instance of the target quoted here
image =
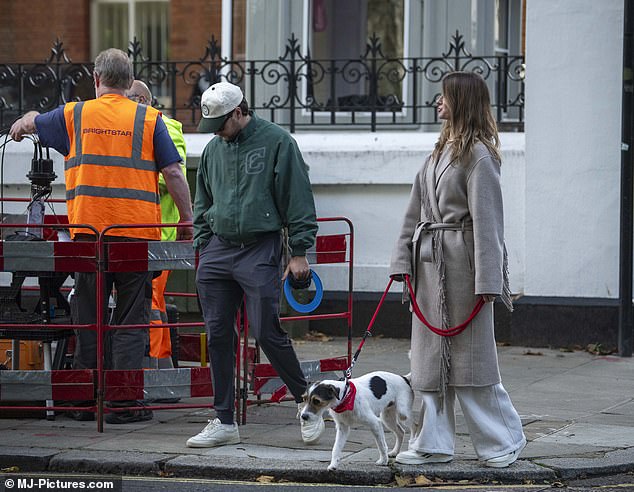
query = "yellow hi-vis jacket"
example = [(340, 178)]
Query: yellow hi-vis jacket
[(111, 175), (169, 211)]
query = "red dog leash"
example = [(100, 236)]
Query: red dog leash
[(449, 332)]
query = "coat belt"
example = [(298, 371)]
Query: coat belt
[(445, 226)]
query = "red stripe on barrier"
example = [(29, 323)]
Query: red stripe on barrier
[(325, 365), (127, 256), (72, 376), (124, 385), (75, 385), (336, 364), (75, 257), (50, 234), (331, 249), (279, 393), (258, 383), (201, 382), (189, 348), (264, 371), (1, 256)]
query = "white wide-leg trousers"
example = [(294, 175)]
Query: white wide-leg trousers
[(494, 426)]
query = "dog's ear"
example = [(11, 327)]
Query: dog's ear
[(334, 391), (309, 385)]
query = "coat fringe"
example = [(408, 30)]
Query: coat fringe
[(506, 288), (438, 261)]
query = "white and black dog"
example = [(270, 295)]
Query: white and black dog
[(370, 399)]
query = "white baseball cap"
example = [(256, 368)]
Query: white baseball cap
[(216, 103)]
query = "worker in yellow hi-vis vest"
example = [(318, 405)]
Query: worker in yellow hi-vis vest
[(160, 354)]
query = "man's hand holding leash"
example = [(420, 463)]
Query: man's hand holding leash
[(298, 266)]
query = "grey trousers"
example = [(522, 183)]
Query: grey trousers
[(225, 274), (125, 348)]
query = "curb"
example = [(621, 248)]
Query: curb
[(209, 467)]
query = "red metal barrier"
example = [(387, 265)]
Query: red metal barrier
[(101, 257)]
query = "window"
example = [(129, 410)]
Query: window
[(117, 22), (339, 32), (501, 29)]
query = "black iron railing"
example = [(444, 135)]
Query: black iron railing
[(371, 92)]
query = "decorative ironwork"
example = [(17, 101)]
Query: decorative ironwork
[(295, 90)]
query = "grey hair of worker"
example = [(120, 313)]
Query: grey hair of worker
[(114, 69)]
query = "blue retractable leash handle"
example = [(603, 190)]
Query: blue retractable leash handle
[(312, 305)]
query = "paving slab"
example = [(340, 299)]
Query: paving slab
[(612, 462), (608, 436)]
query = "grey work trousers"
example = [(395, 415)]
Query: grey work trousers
[(227, 273), (126, 347)]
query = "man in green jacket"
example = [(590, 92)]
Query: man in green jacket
[(252, 183)]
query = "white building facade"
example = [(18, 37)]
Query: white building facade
[(561, 177)]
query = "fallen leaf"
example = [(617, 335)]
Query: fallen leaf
[(403, 481), (503, 344), (265, 479), (423, 480), (530, 352), (165, 474), (598, 349), (316, 336), (11, 469)]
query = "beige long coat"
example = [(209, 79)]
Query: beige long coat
[(465, 193)]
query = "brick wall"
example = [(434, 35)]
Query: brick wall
[(29, 29), (192, 24), (239, 29)]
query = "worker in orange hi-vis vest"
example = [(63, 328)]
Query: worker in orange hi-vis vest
[(114, 151), (160, 352)]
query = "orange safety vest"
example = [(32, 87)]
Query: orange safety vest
[(111, 175)]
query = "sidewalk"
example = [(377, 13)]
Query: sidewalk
[(577, 410)]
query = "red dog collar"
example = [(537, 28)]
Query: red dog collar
[(347, 403)]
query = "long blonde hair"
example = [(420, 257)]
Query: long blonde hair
[(470, 119)]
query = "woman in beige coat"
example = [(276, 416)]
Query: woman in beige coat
[(452, 246)]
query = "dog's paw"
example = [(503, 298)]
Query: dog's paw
[(382, 461), (392, 454), (332, 467)]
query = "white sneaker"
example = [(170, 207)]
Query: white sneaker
[(311, 428), (215, 434), (412, 457), (504, 460)]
